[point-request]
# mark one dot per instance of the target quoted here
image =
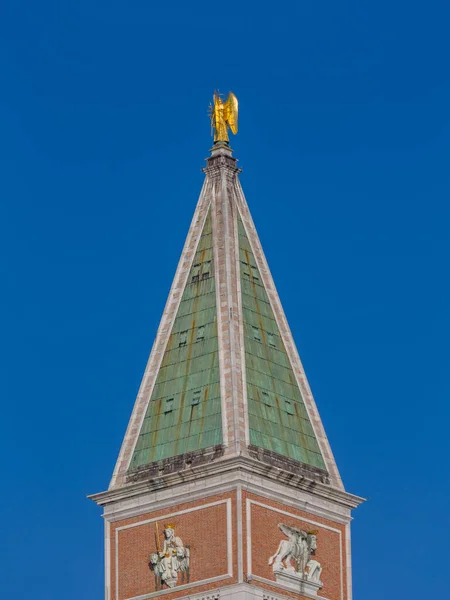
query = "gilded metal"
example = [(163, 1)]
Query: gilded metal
[(224, 115)]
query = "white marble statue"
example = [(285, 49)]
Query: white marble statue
[(293, 556), (313, 571), (171, 560)]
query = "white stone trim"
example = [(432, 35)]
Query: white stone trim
[(167, 516), (215, 595), (348, 549), (241, 326), (226, 222), (249, 504), (248, 516), (269, 596), (222, 201), (218, 481), (180, 587), (287, 337), (239, 528), (302, 501), (229, 538), (107, 550), (241, 591), (222, 366)]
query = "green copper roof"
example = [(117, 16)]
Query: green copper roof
[(278, 419), (184, 412)]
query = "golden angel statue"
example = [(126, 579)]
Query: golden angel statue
[(224, 115)]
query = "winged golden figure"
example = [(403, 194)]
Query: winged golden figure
[(224, 115)]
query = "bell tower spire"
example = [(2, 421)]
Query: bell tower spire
[(225, 431)]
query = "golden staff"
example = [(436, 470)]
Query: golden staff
[(158, 547)]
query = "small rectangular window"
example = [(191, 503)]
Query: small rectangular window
[(245, 268), (289, 405), (168, 405), (183, 338), (200, 333), (196, 398), (266, 398), (256, 334), (195, 272), (206, 269), (271, 340), (255, 273)]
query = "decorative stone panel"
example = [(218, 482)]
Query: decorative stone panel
[(261, 534), (204, 527)]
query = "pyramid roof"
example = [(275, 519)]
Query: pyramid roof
[(224, 377)]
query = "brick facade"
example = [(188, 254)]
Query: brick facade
[(210, 527), (264, 515)]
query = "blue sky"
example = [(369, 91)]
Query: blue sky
[(345, 147)]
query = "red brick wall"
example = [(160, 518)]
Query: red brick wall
[(205, 531), (266, 537)]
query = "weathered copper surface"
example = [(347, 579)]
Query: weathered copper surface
[(278, 420), (184, 413)]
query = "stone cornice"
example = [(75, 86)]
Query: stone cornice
[(221, 162), (239, 466)]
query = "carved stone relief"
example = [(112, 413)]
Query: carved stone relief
[(292, 562), (171, 560)]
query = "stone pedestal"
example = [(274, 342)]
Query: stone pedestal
[(294, 582)]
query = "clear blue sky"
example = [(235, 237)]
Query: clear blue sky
[(345, 146)]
